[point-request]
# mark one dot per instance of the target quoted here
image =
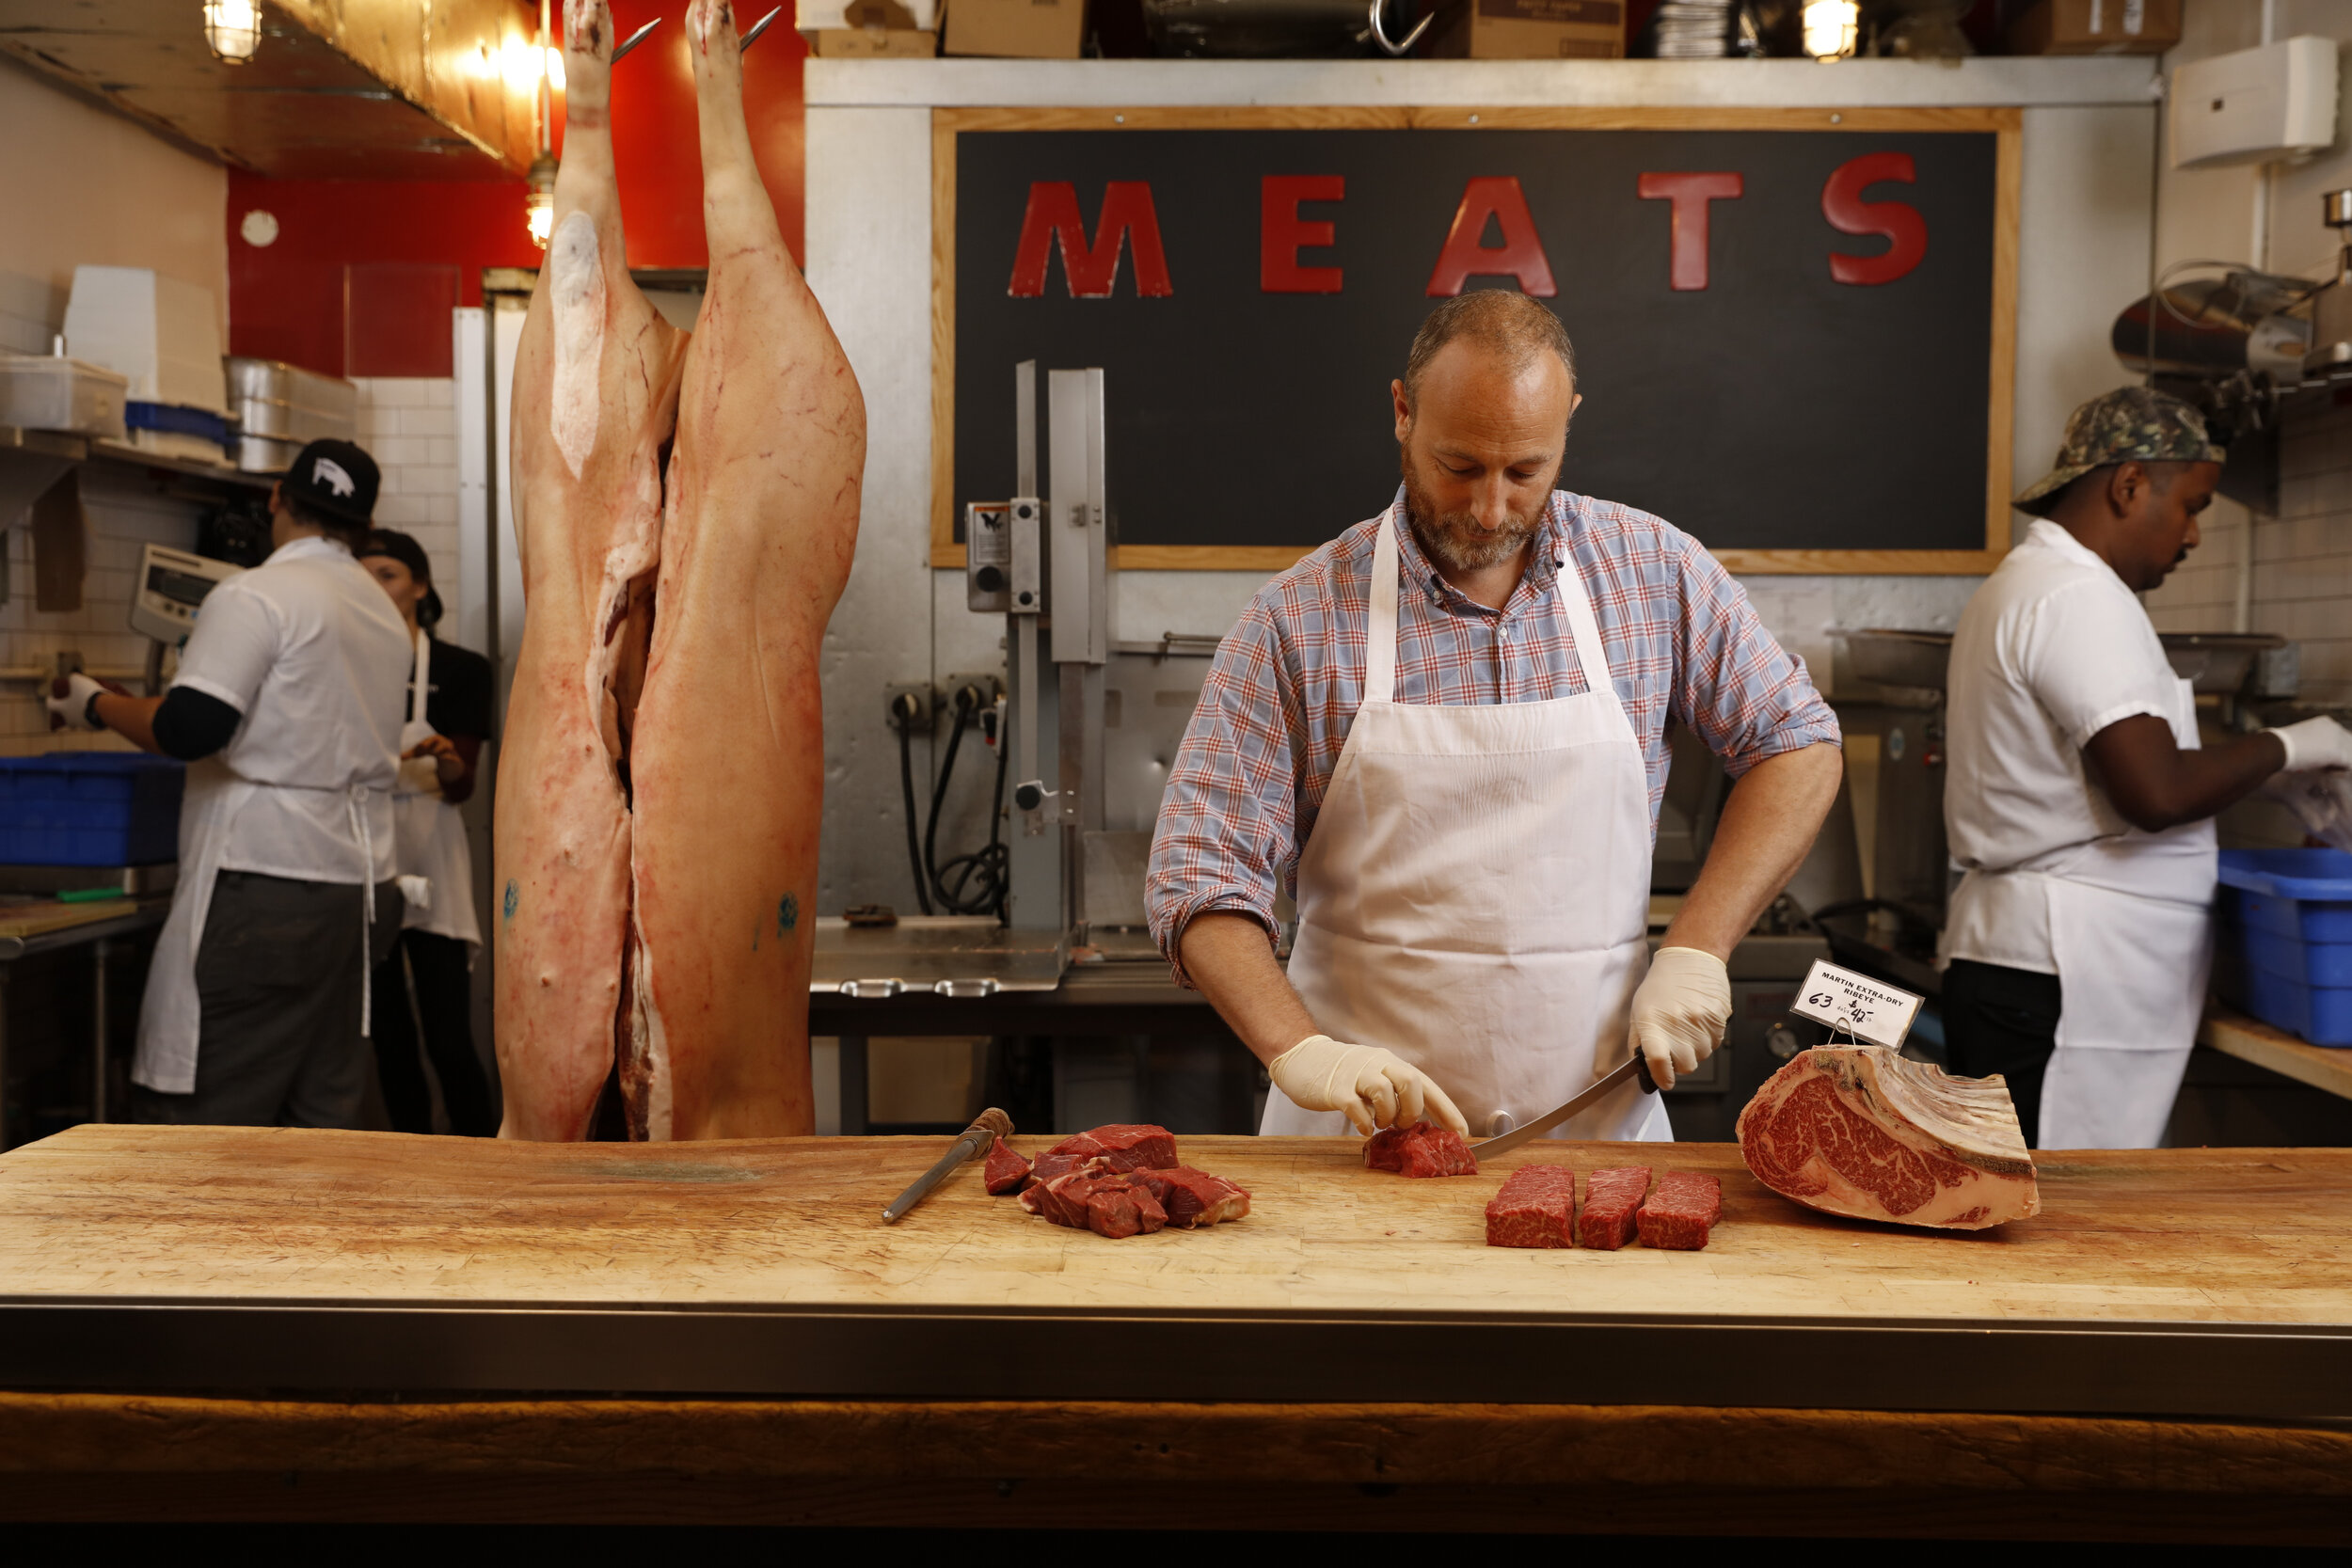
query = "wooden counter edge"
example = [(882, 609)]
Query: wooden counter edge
[(2249, 1039), (1184, 1444)]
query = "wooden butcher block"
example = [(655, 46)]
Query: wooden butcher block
[(2182, 1239)]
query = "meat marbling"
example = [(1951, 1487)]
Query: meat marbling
[(1860, 1130), (1680, 1213), (662, 780), (1613, 1198), (1537, 1208), (1420, 1149), (1007, 1171)]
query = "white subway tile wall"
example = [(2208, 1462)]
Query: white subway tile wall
[(125, 510), (2302, 557), (410, 426)]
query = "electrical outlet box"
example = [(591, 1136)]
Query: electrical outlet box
[(924, 693), (2256, 105), (990, 684)]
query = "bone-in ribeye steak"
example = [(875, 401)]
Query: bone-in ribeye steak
[(1537, 1208), (1679, 1214), (1612, 1201), (1860, 1130), (1420, 1149)]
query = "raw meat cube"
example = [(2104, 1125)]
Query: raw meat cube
[(1420, 1149), (1613, 1198), (1114, 1205), (1194, 1198), (1679, 1214), (1006, 1171), (1537, 1208)]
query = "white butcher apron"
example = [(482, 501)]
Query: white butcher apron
[(2131, 932), (171, 1013), (1475, 893), (429, 837)]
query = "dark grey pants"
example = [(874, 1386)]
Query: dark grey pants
[(278, 978)]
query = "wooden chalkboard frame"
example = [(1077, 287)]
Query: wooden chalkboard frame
[(2006, 124)]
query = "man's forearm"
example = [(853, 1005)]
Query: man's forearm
[(1768, 828), (132, 718), (1229, 959)]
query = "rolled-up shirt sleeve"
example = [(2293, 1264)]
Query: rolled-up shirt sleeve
[(1226, 838), (2067, 651), (231, 648), (1745, 695)]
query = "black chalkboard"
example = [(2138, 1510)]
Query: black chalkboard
[(1775, 409)]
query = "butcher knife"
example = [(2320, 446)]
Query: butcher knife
[(1503, 1143), (977, 1141)]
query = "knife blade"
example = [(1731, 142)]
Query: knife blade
[(975, 1142), (1503, 1142)]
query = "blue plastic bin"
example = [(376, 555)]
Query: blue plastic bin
[(89, 808), (2287, 916)]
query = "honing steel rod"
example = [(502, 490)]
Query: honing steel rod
[(976, 1140), (758, 27)]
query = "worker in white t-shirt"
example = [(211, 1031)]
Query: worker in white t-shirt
[(287, 709), (2080, 799)]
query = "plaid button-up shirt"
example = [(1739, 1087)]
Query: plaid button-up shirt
[(1681, 640)]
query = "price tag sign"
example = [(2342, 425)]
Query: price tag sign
[(1870, 1010)]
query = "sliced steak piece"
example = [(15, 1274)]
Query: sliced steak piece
[(1194, 1198), (1537, 1208), (1612, 1199), (1859, 1130), (1420, 1149), (1006, 1171), (1125, 1147), (1681, 1212)]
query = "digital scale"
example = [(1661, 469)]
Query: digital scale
[(173, 585)]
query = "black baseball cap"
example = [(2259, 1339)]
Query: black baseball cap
[(400, 547), (336, 478)]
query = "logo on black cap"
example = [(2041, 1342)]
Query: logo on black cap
[(326, 472)]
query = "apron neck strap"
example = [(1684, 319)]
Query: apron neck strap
[(1380, 628), (418, 676)]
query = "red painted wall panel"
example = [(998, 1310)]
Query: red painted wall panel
[(286, 299)]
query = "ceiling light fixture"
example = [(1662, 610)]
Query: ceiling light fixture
[(539, 184), (232, 30), (1833, 29)]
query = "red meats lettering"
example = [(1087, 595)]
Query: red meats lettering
[(1860, 1130), (1537, 1208)]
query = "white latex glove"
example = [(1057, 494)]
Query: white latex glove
[(68, 703), (2315, 743), (1375, 1088), (1680, 1012)]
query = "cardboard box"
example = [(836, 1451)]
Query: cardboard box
[(1532, 30), (871, 43), (1017, 29), (828, 16), (2096, 27)]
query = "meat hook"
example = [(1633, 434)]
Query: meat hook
[(1380, 34), (635, 39), (758, 27)]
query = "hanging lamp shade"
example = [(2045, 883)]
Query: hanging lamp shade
[(232, 30)]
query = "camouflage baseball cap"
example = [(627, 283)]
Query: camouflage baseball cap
[(2131, 424)]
